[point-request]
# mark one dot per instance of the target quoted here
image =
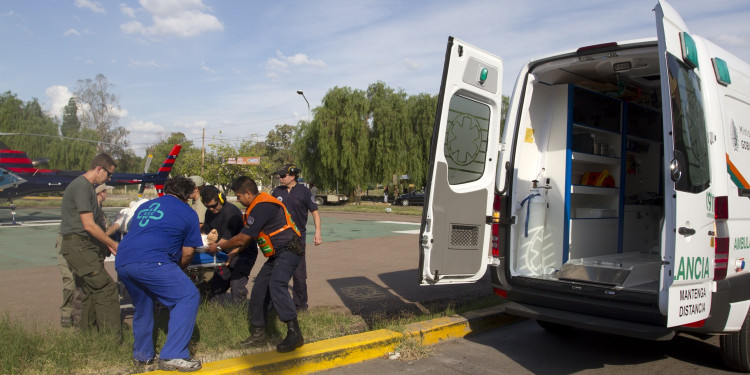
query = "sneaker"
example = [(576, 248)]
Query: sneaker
[(142, 366), (179, 364), (66, 321)]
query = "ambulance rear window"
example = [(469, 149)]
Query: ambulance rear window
[(689, 126)]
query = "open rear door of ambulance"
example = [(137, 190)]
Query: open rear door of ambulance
[(688, 273), (455, 231)]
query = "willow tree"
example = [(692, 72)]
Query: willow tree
[(421, 117), (333, 148), (391, 132), (36, 133)]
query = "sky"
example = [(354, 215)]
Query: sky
[(232, 68)]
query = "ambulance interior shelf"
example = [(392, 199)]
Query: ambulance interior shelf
[(605, 171)]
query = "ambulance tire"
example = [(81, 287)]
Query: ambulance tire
[(553, 327), (319, 201), (735, 346)]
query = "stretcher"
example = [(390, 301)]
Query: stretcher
[(204, 265)]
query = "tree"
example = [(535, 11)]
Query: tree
[(334, 147), (70, 123), (100, 111), (421, 116), (391, 132), (38, 135), (188, 162), (278, 145)]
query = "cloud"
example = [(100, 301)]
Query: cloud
[(275, 65), (72, 32), (150, 64), (128, 11), (91, 5), (206, 68), (181, 18), (731, 40), (144, 126), (58, 99), (411, 64)]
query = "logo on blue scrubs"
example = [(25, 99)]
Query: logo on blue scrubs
[(152, 212)]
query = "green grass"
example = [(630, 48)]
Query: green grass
[(219, 328)]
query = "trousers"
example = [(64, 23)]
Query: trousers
[(168, 284), (271, 286), (72, 295), (236, 283), (299, 280), (100, 307)]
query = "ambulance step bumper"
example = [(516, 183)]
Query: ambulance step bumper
[(590, 322)]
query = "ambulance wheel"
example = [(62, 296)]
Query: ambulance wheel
[(735, 346), (319, 201), (553, 327)]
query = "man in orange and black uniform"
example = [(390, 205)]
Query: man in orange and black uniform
[(267, 221)]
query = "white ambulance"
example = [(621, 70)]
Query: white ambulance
[(617, 197)]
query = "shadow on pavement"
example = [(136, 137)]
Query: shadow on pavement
[(403, 295), (369, 300)]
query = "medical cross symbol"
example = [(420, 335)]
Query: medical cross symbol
[(153, 212)]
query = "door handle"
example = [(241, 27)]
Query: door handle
[(686, 231)]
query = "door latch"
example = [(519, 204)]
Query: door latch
[(686, 231)]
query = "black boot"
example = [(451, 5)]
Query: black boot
[(293, 338), (257, 338)]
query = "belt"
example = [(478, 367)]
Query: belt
[(75, 236)]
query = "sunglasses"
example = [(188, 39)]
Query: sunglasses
[(211, 205), (109, 174)]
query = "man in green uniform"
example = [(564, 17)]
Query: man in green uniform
[(80, 246)]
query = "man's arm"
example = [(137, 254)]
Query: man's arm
[(240, 240), (187, 256), (112, 229), (318, 238), (87, 219)]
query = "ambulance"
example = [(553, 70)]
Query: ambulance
[(615, 199)]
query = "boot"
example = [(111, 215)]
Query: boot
[(257, 337), (293, 339)]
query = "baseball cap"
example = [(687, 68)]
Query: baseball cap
[(288, 169), (198, 180), (101, 187)]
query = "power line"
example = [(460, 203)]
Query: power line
[(63, 137)]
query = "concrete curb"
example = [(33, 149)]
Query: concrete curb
[(342, 351)]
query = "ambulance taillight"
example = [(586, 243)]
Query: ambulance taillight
[(495, 240), (721, 242)]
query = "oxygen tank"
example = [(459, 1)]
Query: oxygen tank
[(532, 216)]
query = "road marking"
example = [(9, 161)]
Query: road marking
[(23, 224), (398, 222), (413, 231)]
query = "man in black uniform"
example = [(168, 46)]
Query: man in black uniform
[(298, 200), (226, 219), (267, 220)]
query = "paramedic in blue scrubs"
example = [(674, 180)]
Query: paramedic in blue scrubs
[(161, 240)]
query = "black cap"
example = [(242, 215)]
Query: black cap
[(288, 169)]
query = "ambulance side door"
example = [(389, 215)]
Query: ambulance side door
[(689, 259), (455, 231)]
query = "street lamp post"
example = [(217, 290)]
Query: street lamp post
[(308, 104)]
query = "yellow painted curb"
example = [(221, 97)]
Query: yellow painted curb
[(342, 351)]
